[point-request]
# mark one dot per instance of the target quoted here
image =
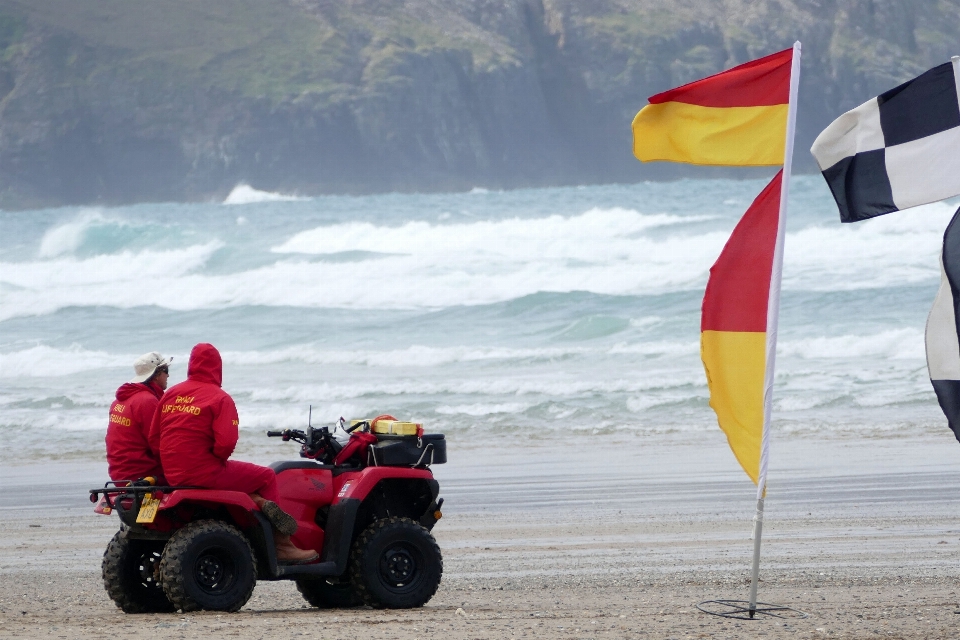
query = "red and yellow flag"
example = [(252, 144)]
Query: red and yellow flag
[(734, 118), (734, 327), (741, 117)]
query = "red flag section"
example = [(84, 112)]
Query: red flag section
[(739, 284), (759, 83)]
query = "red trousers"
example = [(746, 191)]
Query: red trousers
[(249, 478)]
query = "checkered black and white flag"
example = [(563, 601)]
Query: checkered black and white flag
[(943, 331), (898, 150)]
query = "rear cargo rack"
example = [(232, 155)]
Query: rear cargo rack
[(111, 491), (113, 494), (114, 488)]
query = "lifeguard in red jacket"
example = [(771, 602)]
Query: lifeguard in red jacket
[(129, 456), (195, 429)]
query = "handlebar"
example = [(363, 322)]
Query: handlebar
[(317, 443)]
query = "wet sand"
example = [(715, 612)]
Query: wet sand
[(573, 542)]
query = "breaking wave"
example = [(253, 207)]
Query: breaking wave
[(92, 260), (245, 194)]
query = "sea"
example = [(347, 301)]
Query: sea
[(554, 319)]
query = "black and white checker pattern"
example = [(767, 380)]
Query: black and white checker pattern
[(942, 335), (898, 150)]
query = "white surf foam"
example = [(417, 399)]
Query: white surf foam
[(657, 348), (45, 361), (482, 409), (413, 356), (544, 385), (896, 249), (68, 237), (125, 280), (432, 266), (419, 264), (245, 194), (900, 344), (52, 424), (422, 356), (597, 233)]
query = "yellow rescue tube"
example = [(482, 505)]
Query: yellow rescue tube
[(392, 427)]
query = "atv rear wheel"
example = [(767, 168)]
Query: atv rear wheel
[(130, 571), (324, 595), (396, 564), (209, 565)]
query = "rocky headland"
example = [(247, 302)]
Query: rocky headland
[(109, 101)]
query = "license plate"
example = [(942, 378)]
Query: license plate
[(148, 510)]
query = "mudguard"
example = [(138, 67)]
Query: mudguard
[(355, 489), (359, 486)]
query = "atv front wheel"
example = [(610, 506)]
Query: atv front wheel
[(324, 595), (209, 565), (130, 571), (396, 564)]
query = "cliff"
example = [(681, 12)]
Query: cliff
[(111, 101)]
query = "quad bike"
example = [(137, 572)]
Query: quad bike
[(366, 506)]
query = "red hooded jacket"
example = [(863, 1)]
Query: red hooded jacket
[(195, 427), (129, 456)]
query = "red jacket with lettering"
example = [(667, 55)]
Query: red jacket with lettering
[(129, 456), (195, 427)]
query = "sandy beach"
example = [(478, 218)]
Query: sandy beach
[(582, 542)]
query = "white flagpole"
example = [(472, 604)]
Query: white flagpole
[(773, 315)]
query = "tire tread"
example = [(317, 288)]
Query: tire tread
[(114, 580), (364, 539), (172, 569)]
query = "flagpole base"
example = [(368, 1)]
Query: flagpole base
[(742, 610)]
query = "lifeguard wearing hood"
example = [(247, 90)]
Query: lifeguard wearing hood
[(196, 426)]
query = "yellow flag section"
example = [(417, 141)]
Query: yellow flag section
[(734, 327), (735, 363), (734, 118)]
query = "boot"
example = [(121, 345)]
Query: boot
[(280, 519), (289, 553)]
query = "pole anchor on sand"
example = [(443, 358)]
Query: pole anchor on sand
[(740, 610), (749, 610)]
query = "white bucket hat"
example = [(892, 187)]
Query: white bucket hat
[(147, 364)]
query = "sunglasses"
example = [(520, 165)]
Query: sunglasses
[(163, 370)]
